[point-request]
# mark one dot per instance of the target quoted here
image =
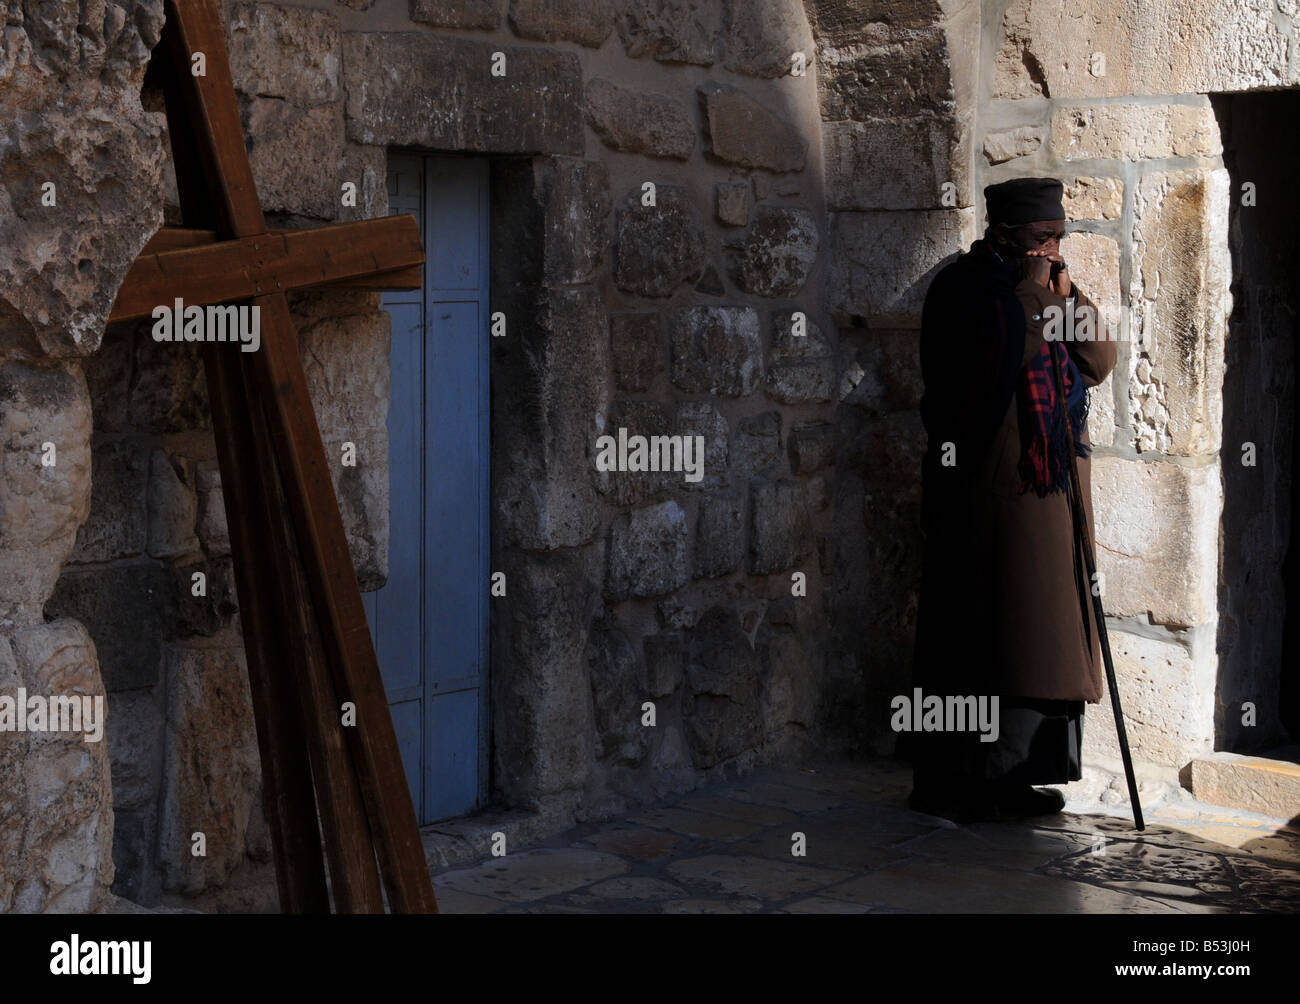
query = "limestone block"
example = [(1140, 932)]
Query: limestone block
[(346, 361), (544, 482), (74, 121), (211, 771), (367, 168), (438, 92), (701, 418), (209, 612), (288, 148), (458, 13), (1181, 276), (44, 495), (884, 373), (720, 709), (636, 345), (800, 368), (812, 446), (638, 122), (117, 524), (1088, 198), (1101, 413), (134, 747), (1169, 47), (1008, 144), (1157, 539), (284, 52), (664, 657), (1135, 132), (543, 724), (211, 526), (1168, 703), (879, 70), (165, 387), (647, 552), (58, 859), (758, 444), (782, 527), (894, 163), (715, 350), (172, 506), (639, 418), (1094, 261), (672, 31), (617, 685), (882, 263), (657, 248), (129, 608), (837, 22), (776, 255), (734, 200), (587, 22), (1256, 784), (720, 535), (577, 238), (740, 130), (786, 682), (760, 38)]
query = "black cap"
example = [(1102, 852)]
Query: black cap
[(1024, 200)]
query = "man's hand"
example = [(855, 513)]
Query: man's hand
[(1047, 268)]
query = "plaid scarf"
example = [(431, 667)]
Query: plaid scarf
[(1044, 460)]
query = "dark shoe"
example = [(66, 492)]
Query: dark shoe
[(1025, 800), (972, 806)]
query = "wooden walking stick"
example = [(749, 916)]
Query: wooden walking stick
[(1079, 517)]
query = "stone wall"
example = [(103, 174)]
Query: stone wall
[(79, 161), (767, 300), (1111, 98)]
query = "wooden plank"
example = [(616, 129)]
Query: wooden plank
[(349, 843), (175, 238), (307, 483), (338, 601), (196, 27), (204, 153), (238, 269), (288, 797)]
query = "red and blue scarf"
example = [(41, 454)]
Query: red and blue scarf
[(1044, 459)]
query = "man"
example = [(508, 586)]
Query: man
[(1005, 607)]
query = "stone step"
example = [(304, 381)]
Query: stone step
[(1268, 786)]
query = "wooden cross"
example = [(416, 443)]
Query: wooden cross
[(305, 633)]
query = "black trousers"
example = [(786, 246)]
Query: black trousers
[(1039, 742)]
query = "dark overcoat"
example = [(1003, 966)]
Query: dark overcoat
[(1005, 604)]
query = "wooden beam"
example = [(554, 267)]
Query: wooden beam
[(346, 634), (207, 128), (280, 383), (223, 271), (176, 238), (288, 795)]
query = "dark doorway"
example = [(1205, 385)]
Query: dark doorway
[(1259, 563)]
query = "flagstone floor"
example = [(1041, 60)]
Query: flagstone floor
[(729, 849)]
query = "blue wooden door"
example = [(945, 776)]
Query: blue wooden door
[(430, 621)]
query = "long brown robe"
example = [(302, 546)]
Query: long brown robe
[(1005, 603)]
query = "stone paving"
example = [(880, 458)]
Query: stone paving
[(728, 849)]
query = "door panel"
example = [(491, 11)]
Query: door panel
[(430, 620)]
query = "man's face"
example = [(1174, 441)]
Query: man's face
[(1043, 235)]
